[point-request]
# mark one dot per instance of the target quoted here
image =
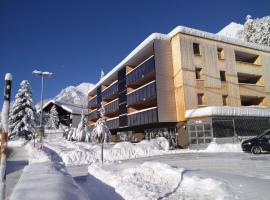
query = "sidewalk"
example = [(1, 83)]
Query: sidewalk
[(16, 161)]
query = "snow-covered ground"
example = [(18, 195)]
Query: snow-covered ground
[(155, 180), (81, 153)]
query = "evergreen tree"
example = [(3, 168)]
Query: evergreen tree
[(257, 30), (53, 121), (23, 116), (82, 129)]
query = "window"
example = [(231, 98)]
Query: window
[(200, 97), (225, 100), (196, 49), (220, 53), (198, 73), (222, 75)]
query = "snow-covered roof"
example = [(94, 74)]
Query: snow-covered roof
[(232, 30), (72, 108), (252, 111), (179, 29)]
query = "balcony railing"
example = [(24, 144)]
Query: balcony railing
[(113, 123), (142, 94), (93, 115), (146, 116), (92, 102), (111, 107), (110, 91), (141, 71)]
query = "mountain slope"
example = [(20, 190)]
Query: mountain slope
[(232, 30), (75, 95)]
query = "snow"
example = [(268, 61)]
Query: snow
[(229, 147), (35, 155), (155, 180), (232, 30), (72, 108), (75, 94), (17, 143), (79, 153), (228, 111), (45, 181), (8, 77)]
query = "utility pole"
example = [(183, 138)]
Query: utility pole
[(4, 132)]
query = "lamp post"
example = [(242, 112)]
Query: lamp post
[(42, 74)]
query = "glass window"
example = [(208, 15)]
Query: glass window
[(198, 72), (222, 76)]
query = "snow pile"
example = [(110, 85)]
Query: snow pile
[(46, 181), (17, 143), (154, 180), (228, 111), (229, 147), (35, 155), (75, 95), (232, 30), (79, 153)]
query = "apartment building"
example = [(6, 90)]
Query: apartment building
[(182, 83)]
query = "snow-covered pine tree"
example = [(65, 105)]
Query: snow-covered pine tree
[(53, 122), (257, 30), (22, 117)]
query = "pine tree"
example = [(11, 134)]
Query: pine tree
[(23, 114), (53, 121), (257, 30)]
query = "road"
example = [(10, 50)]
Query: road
[(247, 176), (17, 160)]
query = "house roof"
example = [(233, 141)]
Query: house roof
[(72, 108), (147, 43)]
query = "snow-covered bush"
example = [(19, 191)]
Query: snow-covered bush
[(81, 133), (53, 121), (23, 116), (257, 30), (125, 136), (101, 131)]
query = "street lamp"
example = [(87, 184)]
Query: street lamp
[(42, 74)]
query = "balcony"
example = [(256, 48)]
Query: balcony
[(112, 107), (93, 115), (110, 92), (142, 94), (146, 116), (92, 103), (113, 123), (142, 74)]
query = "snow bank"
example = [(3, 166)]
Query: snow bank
[(46, 181), (229, 147), (228, 111), (79, 153), (35, 155), (154, 180), (17, 143)]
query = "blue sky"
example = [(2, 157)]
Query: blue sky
[(74, 39)]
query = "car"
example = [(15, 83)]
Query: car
[(257, 144)]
